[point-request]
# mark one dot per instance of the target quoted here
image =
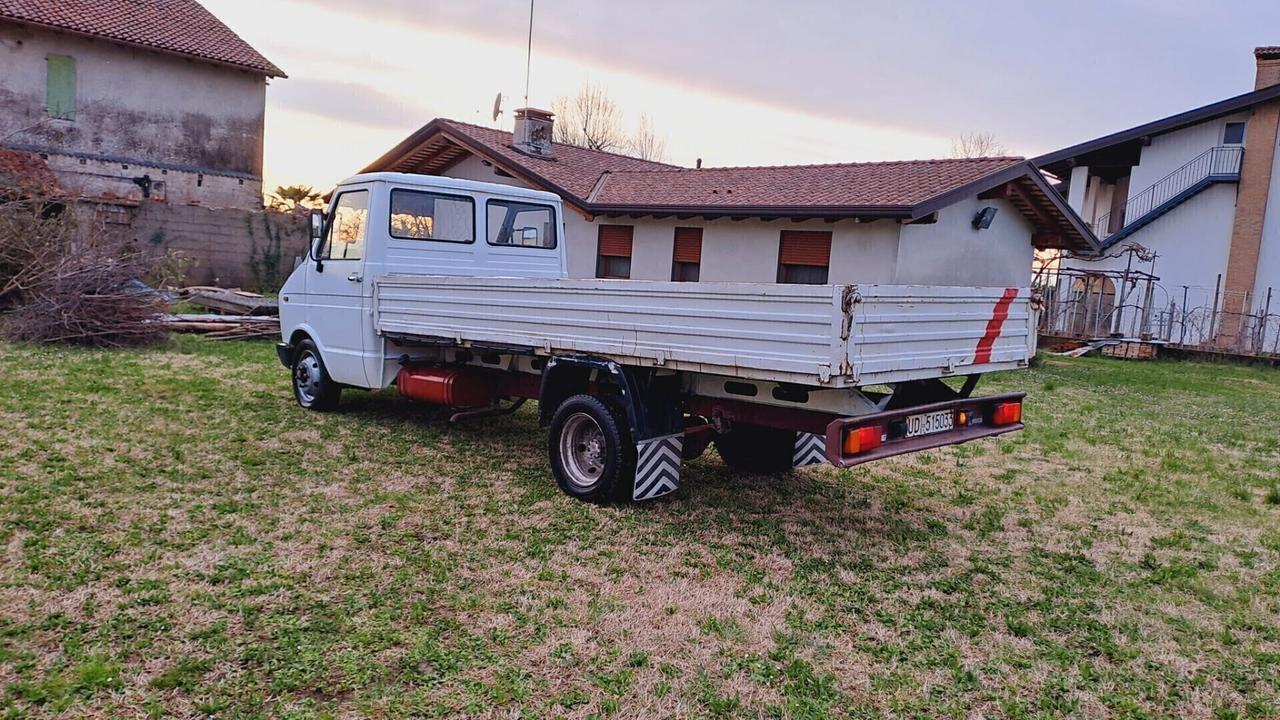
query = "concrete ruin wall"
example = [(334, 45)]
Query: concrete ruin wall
[(194, 126), (253, 250)]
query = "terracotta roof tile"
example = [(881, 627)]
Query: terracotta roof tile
[(881, 184), (631, 181), (178, 26), (574, 169)]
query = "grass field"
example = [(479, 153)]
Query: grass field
[(181, 540)]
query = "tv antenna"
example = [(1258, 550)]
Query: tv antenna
[(497, 107), (528, 56)]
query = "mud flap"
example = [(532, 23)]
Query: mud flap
[(811, 449), (657, 466)]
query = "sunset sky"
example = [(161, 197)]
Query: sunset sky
[(748, 81)]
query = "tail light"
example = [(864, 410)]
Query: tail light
[(860, 440), (1007, 413)]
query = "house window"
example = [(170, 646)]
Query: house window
[(428, 216), (686, 257), (60, 87), (803, 257), (614, 252), (1233, 134)]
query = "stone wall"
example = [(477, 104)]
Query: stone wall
[(253, 250)]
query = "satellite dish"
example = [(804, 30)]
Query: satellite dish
[(497, 107)]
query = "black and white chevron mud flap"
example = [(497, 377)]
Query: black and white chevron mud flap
[(811, 449), (657, 466)]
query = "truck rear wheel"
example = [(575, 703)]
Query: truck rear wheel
[(758, 450), (592, 456), (312, 386)]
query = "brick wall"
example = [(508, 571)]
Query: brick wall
[(1255, 187), (253, 250)]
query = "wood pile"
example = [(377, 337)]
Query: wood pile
[(223, 327), (224, 300)]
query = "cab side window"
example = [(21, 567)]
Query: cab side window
[(524, 224), (347, 227)]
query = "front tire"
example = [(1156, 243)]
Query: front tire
[(758, 450), (312, 386), (590, 448)]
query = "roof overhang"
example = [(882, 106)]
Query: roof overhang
[(1121, 148), (273, 72)]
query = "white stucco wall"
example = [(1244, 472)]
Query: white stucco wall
[(1171, 151), (473, 168), (137, 105), (952, 252), (1191, 243)]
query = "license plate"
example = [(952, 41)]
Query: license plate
[(930, 423)]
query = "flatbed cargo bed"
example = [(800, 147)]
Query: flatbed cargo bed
[(815, 335)]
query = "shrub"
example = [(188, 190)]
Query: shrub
[(64, 279)]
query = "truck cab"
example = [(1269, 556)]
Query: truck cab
[(382, 223)]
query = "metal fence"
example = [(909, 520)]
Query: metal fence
[(1090, 305)]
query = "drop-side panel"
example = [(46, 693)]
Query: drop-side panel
[(786, 333), (913, 332)]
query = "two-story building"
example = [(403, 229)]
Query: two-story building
[(135, 99), (1198, 192), (905, 222)]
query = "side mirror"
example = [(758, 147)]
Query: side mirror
[(317, 234), (529, 236), (317, 225)]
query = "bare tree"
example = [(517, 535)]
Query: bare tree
[(975, 145), (646, 144), (590, 119)]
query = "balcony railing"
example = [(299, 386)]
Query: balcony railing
[(1217, 164)]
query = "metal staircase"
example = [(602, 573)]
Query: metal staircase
[(1216, 165)]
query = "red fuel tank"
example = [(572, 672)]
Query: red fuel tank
[(443, 386)]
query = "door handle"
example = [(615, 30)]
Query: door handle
[(354, 277)]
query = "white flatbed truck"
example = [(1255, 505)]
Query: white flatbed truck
[(456, 292)]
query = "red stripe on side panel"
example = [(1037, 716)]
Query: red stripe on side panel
[(982, 354)]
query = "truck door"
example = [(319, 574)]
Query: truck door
[(336, 289)]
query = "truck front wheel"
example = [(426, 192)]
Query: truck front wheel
[(756, 449), (312, 386), (592, 456)]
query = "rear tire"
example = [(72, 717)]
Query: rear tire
[(590, 448), (757, 450), (312, 386)]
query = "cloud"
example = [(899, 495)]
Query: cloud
[(346, 102), (1036, 74)]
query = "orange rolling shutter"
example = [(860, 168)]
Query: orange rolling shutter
[(688, 248), (805, 247), (615, 240)]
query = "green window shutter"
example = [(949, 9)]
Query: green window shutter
[(61, 89)]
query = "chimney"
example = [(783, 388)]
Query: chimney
[(533, 132), (1268, 59)]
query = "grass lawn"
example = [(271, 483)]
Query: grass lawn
[(181, 540)]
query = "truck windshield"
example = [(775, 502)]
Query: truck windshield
[(347, 229)]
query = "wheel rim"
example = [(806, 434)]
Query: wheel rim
[(582, 451), (307, 378)]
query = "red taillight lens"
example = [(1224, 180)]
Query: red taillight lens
[(1007, 414), (860, 440)]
